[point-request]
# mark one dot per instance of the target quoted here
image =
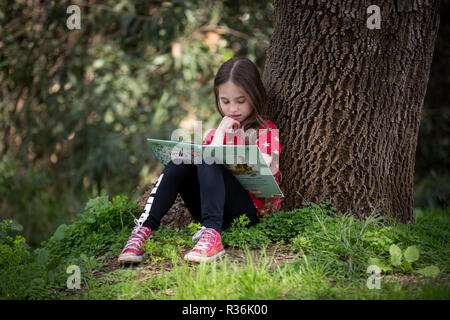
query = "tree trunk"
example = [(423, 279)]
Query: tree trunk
[(178, 215), (348, 100)]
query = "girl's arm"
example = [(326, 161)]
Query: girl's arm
[(219, 135), (226, 124), (268, 158), (269, 145)]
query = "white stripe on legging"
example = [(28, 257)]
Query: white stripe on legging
[(148, 205)]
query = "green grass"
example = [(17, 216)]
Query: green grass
[(308, 253), (255, 279)]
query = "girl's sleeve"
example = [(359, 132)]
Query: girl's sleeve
[(268, 140), (209, 138)]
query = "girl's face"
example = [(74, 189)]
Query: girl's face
[(234, 101)]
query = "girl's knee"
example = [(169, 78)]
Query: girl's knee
[(177, 169), (209, 166)]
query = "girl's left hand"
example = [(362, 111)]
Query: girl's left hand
[(272, 165)]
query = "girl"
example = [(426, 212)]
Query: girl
[(211, 193)]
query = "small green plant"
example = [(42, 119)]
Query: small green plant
[(193, 227), (301, 244), (23, 274), (101, 224), (89, 264), (167, 243), (241, 236), (14, 254), (284, 226), (403, 261), (157, 252)]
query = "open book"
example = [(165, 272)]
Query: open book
[(245, 162)]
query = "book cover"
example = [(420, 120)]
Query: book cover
[(244, 161)]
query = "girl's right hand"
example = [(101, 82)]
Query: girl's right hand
[(228, 123)]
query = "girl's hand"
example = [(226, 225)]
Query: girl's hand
[(224, 127), (228, 123), (273, 166)]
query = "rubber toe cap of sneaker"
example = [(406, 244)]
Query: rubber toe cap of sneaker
[(129, 258)]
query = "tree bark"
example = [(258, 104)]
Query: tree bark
[(178, 215), (348, 100)]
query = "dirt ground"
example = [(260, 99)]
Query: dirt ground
[(277, 254)]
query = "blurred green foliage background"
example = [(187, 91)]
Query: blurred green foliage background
[(77, 105)]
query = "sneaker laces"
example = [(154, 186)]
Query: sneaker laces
[(205, 238), (137, 238)]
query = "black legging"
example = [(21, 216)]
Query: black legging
[(211, 193)]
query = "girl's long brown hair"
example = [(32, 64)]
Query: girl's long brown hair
[(244, 73)]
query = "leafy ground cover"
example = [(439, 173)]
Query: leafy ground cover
[(306, 253)]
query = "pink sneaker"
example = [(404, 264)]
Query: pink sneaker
[(133, 250), (208, 248)]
